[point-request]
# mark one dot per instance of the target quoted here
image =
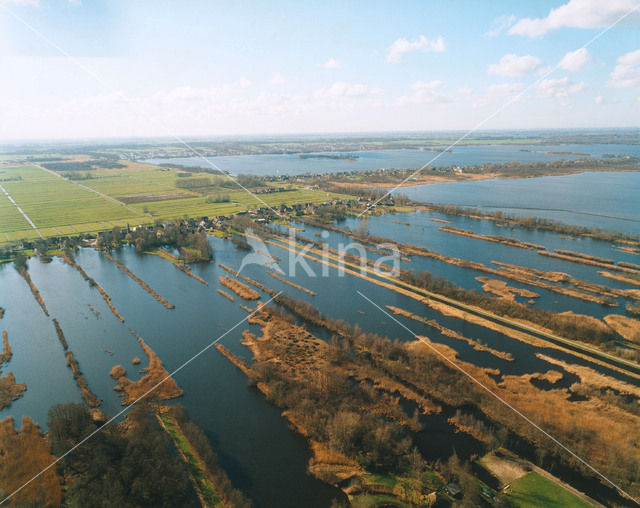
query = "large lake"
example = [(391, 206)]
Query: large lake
[(599, 199), (293, 164)]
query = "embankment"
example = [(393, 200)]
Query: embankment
[(450, 333), (235, 360), (6, 348), (626, 327), (292, 284), (155, 385), (34, 289), (226, 295), (517, 327), (620, 267), (585, 256), (602, 296), (633, 280), (513, 242), (69, 260), (187, 270), (502, 290), (242, 290), (60, 334), (89, 397), (591, 377), (142, 283), (254, 283)]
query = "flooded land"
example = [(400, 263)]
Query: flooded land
[(376, 355)]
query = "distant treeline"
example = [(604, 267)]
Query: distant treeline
[(44, 159), (83, 165), (565, 326), (193, 169), (218, 198), (74, 175), (532, 169), (512, 169), (186, 181), (530, 222), (193, 183)]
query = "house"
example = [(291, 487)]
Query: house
[(454, 489)]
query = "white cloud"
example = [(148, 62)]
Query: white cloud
[(505, 89), (576, 14), (557, 87), (244, 83), (575, 60), (350, 90), (464, 90), (404, 45), (627, 71), (599, 99), (427, 85), (426, 92), (500, 24), (511, 65), (332, 63), (278, 79)]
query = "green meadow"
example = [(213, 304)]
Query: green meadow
[(65, 203), (535, 491)]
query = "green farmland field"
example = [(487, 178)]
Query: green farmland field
[(535, 491), (136, 194), (50, 201)]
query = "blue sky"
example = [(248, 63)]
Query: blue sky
[(74, 69)]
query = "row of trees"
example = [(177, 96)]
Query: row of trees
[(530, 222), (137, 468), (563, 325), (83, 165)]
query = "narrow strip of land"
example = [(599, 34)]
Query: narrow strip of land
[(142, 283), (21, 211), (393, 282)]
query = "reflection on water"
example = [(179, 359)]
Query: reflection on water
[(293, 164), (261, 454), (598, 199)]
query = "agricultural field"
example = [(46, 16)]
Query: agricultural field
[(11, 219), (535, 491), (67, 202), (58, 206)]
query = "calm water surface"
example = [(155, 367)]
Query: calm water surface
[(599, 199), (293, 164), (261, 454)]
